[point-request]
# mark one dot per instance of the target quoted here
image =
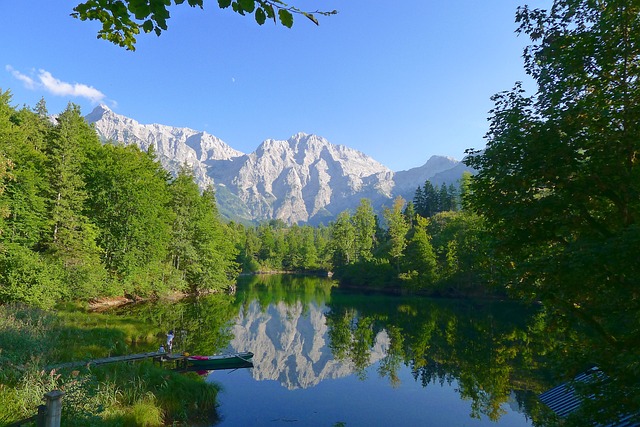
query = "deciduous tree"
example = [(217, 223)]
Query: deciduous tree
[(559, 181), (398, 227)]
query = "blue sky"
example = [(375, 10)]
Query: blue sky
[(399, 81)]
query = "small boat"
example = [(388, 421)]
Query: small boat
[(221, 361)]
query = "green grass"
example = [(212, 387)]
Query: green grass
[(121, 394)]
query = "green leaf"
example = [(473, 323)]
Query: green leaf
[(247, 5), (224, 3), (269, 11), (261, 16), (286, 18), (147, 26)]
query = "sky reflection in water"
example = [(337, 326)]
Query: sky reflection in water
[(298, 381)]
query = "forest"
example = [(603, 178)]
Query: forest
[(84, 220)]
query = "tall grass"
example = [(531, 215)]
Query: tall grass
[(122, 394)]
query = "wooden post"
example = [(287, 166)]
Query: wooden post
[(41, 418), (54, 408)]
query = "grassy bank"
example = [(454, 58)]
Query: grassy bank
[(122, 394)]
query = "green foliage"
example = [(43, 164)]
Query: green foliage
[(430, 199), (72, 238), (26, 190), (83, 220), (28, 277), (398, 227), (118, 224), (273, 246), (200, 245), (447, 255), (461, 245), (343, 235), (272, 289), (421, 257), (122, 21), (376, 273), (559, 180), (129, 198), (365, 225)]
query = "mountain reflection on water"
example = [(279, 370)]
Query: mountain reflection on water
[(291, 344), (322, 350), (303, 332)]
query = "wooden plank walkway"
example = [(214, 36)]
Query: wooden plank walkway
[(126, 358)]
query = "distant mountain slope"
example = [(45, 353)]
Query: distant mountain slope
[(408, 181), (174, 146), (302, 179)]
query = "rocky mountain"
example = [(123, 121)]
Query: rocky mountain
[(174, 146), (302, 179)]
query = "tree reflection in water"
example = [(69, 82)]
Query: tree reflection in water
[(486, 348), (493, 352)]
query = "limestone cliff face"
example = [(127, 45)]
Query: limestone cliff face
[(302, 179), (173, 146), (291, 344)]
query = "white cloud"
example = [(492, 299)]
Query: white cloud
[(46, 81), (28, 81), (58, 87)]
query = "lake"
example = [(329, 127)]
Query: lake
[(328, 357)]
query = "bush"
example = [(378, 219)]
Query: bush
[(26, 276), (377, 273)]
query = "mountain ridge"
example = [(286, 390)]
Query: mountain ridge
[(304, 179)]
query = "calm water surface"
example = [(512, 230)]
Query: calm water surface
[(325, 357)]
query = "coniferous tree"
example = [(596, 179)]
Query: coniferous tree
[(398, 227), (444, 199), (72, 237), (410, 214), (419, 202), (420, 256)]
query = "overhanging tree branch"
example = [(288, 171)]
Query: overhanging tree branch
[(123, 20)]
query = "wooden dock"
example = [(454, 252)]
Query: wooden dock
[(156, 355)]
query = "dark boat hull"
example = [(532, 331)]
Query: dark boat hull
[(231, 361)]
